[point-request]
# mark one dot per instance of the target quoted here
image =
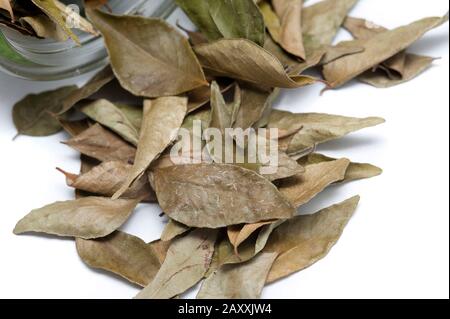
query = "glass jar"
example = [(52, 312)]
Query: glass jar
[(46, 59)]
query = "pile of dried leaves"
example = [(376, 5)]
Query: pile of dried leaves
[(228, 224)]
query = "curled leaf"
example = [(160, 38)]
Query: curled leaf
[(244, 60), (378, 49)]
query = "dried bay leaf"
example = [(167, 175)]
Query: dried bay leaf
[(162, 119), (33, 114), (322, 21), (88, 218), (99, 143), (218, 195), (124, 255), (106, 178), (188, 259), (319, 128), (304, 240), (302, 188), (173, 229), (378, 49), (107, 114), (149, 57), (398, 69), (354, 171), (244, 60), (290, 37), (243, 281)]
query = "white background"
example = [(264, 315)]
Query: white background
[(397, 246)]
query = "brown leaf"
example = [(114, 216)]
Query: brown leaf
[(186, 263), (302, 188), (106, 178), (124, 255), (88, 218), (112, 117), (162, 119), (398, 69), (99, 143), (304, 240), (378, 49), (242, 281), (318, 128), (354, 171), (244, 60), (218, 195), (290, 37), (149, 57)]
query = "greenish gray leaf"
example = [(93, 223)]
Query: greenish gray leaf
[(33, 115), (88, 218)]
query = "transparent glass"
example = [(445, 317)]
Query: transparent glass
[(45, 59)]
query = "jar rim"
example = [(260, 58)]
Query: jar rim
[(45, 59)]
